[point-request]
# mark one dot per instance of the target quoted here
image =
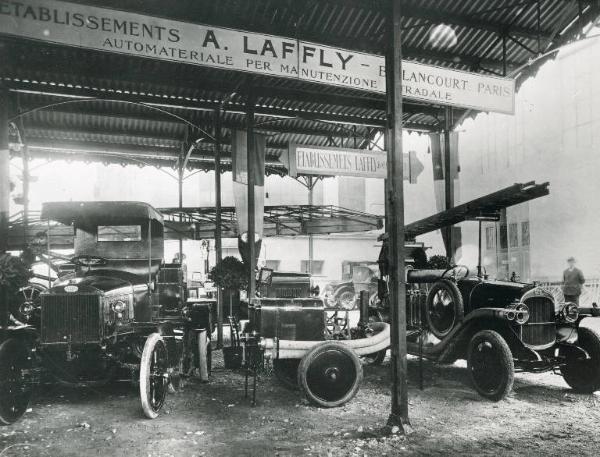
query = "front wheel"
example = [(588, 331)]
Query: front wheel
[(583, 375), (154, 375), (16, 384), (490, 365), (330, 374)]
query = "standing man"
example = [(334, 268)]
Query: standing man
[(573, 281)]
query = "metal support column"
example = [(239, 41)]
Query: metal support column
[(251, 179), (4, 194), (218, 244), (26, 180), (180, 171), (479, 256), (4, 169), (311, 252), (448, 178), (397, 255)]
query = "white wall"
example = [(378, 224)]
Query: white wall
[(554, 136)]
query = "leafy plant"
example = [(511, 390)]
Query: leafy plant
[(438, 262), (230, 274), (13, 273)]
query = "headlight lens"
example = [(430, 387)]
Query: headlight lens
[(119, 306), (521, 313), (570, 312)]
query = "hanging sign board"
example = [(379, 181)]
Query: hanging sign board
[(139, 35), (323, 161)]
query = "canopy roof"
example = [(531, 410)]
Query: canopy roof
[(493, 37)]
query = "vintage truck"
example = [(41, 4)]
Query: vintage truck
[(121, 313)]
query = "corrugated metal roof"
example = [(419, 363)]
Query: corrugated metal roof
[(287, 110)]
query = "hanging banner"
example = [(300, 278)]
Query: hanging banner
[(139, 35), (239, 164)]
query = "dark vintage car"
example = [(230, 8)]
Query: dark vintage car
[(499, 327), (121, 313)]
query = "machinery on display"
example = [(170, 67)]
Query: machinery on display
[(121, 312)]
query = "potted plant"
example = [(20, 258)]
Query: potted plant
[(230, 274)]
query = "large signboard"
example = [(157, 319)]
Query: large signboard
[(146, 36)]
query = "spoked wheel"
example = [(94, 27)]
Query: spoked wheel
[(330, 374), (491, 365), (444, 308), (346, 299), (286, 372), (16, 383), (27, 302), (154, 375)]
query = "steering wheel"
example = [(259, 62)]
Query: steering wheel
[(89, 260), (457, 272)]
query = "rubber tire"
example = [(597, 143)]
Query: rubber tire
[(310, 357), (589, 340), (151, 342), (286, 372), (505, 361), (13, 351), (459, 308)]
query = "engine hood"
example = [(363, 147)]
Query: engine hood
[(495, 293), (105, 284)]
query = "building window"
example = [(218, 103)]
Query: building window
[(273, 264), (490, 237), (513, 232), (317, 266), (525, 233), (503, 237)]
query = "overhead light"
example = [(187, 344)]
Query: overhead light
[(442, 36)]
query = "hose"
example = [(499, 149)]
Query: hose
[(289, 349)]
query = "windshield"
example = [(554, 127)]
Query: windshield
[(119, 233)]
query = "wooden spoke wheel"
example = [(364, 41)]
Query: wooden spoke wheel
[(444, 308), (16, 383), (154, 375), (27, 302), (330, 374)]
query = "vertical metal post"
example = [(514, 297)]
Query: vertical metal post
[(4, 195), (4, 170), (448, 177), (218, 245), (251, 179), (479, 269), (180, 172), (504, 67), (311, 252), (393, 68), (25, 160), (538, 14)]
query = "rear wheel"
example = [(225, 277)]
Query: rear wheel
[(583, 375), (345, 298), (154, 375), (490, 365), (330, 374), (16, 383)]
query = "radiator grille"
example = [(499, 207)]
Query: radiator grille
[(71, 318), (540, 329)]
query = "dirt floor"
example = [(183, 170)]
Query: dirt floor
[(541, 417)]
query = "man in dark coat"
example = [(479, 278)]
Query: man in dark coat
[(573, 281)]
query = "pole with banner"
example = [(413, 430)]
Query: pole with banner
[(395, 204)]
